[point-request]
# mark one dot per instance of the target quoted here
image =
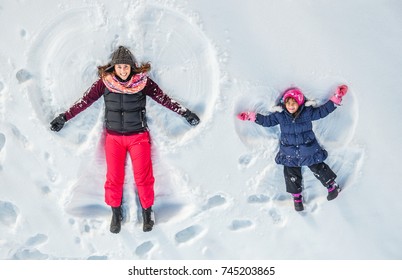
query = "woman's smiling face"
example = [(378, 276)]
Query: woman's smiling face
[(122, 70)]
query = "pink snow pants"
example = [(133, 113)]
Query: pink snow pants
[(138, 146)]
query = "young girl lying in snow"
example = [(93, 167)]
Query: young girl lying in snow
[(298, 144)]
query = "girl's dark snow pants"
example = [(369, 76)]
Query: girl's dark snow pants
[(293, 176)]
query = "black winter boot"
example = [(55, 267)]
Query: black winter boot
[(148, 223), (298, 201), (117, 217), (333, 191)]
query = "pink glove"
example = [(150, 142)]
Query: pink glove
[(247, 116), (339, 93)]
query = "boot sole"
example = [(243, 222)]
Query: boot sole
[(338, 190), (115, 231), (148, 227)]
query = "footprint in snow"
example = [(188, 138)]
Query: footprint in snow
[(214, 201), (8, 213), (29, 254), (257, 198), (276, 217), (23, 75), (144, 248), (36, 240), (188, 234), (240, 224)]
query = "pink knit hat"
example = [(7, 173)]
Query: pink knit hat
[(294, 93)]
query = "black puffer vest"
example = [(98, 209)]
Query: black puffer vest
[(125, 113)]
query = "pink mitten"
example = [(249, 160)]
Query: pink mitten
[(247, 116), (339, 93)]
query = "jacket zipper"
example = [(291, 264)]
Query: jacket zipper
[(296, 116), (122, 113)]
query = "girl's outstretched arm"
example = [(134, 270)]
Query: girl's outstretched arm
[(268, 120), (330, 106)]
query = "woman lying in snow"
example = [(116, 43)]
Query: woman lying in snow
[(125, 85)]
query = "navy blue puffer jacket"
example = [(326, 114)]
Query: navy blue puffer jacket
[(298, 145)]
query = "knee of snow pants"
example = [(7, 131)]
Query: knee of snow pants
[(139, 148), (323, 173), (293, 179)]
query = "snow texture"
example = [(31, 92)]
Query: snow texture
[(219, 193)]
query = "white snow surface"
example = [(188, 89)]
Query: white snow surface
[(219, 192)]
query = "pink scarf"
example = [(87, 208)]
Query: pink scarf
[(134, 85)]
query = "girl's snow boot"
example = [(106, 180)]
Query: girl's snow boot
[(117, 217), (147, 218), (333, 190), (298, 201)]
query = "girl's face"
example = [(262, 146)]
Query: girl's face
[(122, 70), (291, 105)]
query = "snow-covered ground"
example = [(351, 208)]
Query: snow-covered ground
[(219, 193)]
